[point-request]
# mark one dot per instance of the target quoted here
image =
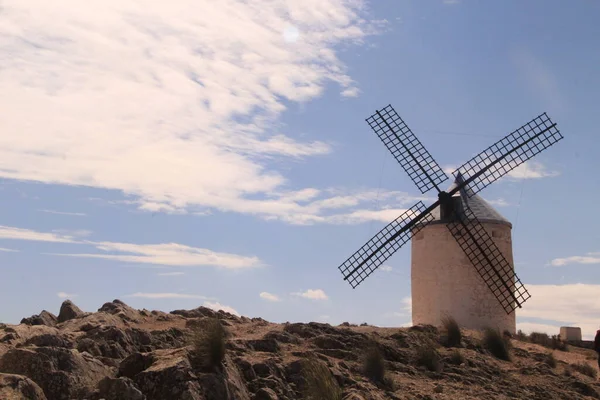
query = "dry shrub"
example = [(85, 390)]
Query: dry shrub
[(319, 383), (550, 360), (496, 344), (374, 368), (427, 357), (453, 334), (208, 340), (585, 369), (551, 342), (456, 357), (522, 336)]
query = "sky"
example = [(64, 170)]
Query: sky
[(186, 153)]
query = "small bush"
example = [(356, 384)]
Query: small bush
[(543, 339), (521, 336), (585, 369), (453, 334), (427, 357), (550, 360), (319, 382), (208, 340), (456, 357), (374, 365), (496, 344), (568, 371)]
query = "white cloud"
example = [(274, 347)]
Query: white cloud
[(324, 318), (167, 254), (313, 294), (176, 108), (499, 202), (528, 327), (590, 258), (404, 311), (166, 296), (451, 2), (531, 170), (8, 232), (174, 254), (8, 250), (564, 305), (170, 273), (64, 295), (218, 306), (386, 268), (269, 296), (73, 214)]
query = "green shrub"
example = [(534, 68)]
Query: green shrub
[(319, 383), (427, 357), (208, 340), (456, 357), (496, 344), (585, 369), (550, 360), (453, 334)]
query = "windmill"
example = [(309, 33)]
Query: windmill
[(455, 205)]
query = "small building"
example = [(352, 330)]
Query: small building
[(570, 333)]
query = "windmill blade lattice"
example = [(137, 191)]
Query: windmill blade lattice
[(381, 246), (508, 153), (488, 260), (407, 149)]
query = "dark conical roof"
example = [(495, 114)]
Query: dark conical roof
[(481, 208)]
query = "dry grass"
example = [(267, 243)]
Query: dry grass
[(319, 383), (453, 334), (551, 342), (208, 341), (374, 368), (496, 344), (550, 360), (427, 357), (456, 357), (585, 369)]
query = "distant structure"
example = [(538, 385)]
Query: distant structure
[(443, 280), (570, 333), (462, 264)]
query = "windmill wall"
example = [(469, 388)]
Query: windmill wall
[(445, 282)]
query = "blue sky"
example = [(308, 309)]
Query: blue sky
[(173, 155)]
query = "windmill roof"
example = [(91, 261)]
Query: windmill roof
[(481, 208)]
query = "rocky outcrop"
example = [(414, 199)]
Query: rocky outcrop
[(122, 353), (19, 387), (43, 318), (68, 311)]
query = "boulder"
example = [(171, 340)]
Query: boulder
[(19, 387), (121, 310), (68, 311), (44, 318), (61, 373), (118, 389)]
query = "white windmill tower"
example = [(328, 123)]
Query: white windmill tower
[(462, 249)]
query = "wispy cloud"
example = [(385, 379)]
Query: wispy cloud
[(64, 295), (528, 170), (404, 311), (386, 268), (170, 273), (313, 294), (190, 101), (589, 258), (451, 2), (499, 202), (173, 254), (8, 250), (73, 214), (268, 296)]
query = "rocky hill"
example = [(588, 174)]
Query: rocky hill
[(122, 353)]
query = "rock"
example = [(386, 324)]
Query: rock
[(264, 345), (120, 309), (44, 318), (68, 311), (19, 387), (61, 373), (114, 342), (135, 363), (169, 377), (49, 340), (265, 394), (118, 389), (9, 337)]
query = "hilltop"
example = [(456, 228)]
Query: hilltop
[(121, 353)]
